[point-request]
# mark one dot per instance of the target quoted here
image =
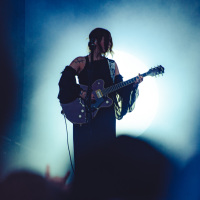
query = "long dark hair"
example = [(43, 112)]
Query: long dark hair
[(98, 34)]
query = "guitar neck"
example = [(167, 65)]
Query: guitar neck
[(117, 86)]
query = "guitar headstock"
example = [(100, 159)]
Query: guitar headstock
[(156, 71)]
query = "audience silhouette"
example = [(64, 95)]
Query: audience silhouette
[(127, 168)]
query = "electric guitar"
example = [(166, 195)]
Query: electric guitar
[(75, 111)]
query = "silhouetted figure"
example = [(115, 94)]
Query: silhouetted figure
[(126, 169), (24, 185), (102, 128)]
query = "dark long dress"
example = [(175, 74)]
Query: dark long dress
[(102, 129)]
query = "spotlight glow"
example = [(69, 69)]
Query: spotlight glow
[(141, 117)]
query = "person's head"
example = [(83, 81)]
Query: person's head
[(102, 39)]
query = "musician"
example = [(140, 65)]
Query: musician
[(102, 128)]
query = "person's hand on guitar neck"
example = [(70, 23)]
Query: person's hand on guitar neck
[(83, 94), (139, 79)]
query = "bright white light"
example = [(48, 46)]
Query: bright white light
[(141, 117)]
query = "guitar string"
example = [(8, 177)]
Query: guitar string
[(117, 86), (120, 85)]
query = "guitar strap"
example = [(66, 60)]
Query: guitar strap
[(111, 64), (89, 91)]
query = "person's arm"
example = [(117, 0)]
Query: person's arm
[(57, 180), (125, 97), (116, 69), (69, 90), (78, 64)]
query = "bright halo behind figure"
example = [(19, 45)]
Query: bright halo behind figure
[(146, 105)]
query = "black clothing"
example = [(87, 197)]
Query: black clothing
[(103, 127), (69, 90)]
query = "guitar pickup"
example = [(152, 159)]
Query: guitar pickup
[(99, 93)]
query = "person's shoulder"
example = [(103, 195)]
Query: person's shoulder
[(78, 60), (78, 63)]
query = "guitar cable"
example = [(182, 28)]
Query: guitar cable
[(68, 143)]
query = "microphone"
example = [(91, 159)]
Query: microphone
[(92, 44)]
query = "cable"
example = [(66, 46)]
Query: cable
[(68, 144)]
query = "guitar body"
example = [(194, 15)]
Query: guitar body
[(75, 111)]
